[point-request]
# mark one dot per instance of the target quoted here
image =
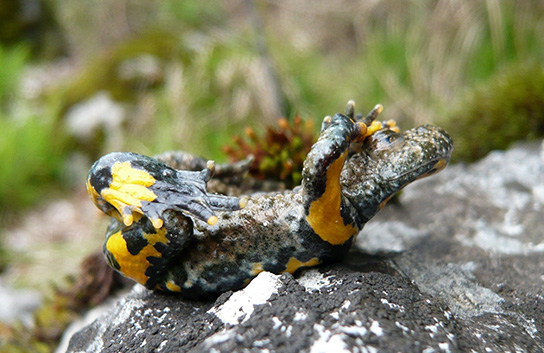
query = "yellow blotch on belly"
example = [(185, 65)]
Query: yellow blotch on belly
[(324, 216), (134, 266), (294, 264), (128, 188), (172, 287)]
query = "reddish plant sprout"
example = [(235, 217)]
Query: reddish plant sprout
[(278, 153)]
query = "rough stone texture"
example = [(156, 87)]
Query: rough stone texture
[(456, 266)]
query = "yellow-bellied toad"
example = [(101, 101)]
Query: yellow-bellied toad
[(169, 233)]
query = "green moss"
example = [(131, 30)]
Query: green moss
[(279, 153), (194, 13), (507, 108)]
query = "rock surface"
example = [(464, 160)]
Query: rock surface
[(456, 266)]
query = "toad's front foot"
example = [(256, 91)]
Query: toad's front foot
[(129, 185)]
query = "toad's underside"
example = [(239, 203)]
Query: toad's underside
[(169, 233)]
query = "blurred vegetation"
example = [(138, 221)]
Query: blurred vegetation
[(31, 146), (33, 23), (12, 62), (81, 78), (95, 282), (506, 108), (191, 75)]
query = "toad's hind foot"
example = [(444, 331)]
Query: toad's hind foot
[(128, 186)]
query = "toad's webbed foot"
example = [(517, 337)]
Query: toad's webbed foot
[(128, 185)]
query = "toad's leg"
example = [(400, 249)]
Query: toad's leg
[(187, 161), (129, 185), (144, 253), (148, 200), (327, 211)]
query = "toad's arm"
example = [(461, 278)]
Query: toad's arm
[(327, 211)]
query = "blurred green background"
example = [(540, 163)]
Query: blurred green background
[(81, 78)]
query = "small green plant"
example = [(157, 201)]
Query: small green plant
[(279, 154)]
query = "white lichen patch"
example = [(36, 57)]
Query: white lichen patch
[(445, 347), (243, 301), (313, 280), (277, 323), (490, 238), (464, 296), (355, 331), (300, 316), (332, 339), (376, 329), (402, 327), (328, 341), (392, 305), (128, 307), (216, 339)]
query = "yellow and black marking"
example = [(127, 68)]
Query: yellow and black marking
[(128, 186), (152, 240), (150, 202), (294, 264), (144, 253), (172, 286), (438, 166), (133, 256), (326, 210), (256, 268), (119, 188), (325, 213)]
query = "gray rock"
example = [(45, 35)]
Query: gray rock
[(457, 265)]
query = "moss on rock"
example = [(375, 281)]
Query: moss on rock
[(507, 108)]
